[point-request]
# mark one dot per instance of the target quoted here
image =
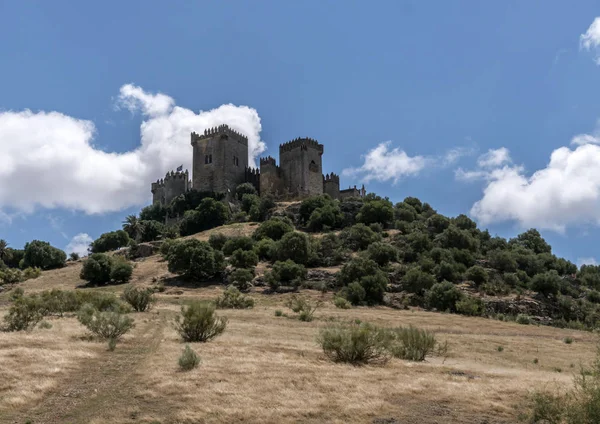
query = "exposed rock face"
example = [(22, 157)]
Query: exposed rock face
[(516, 306), (143, 250)]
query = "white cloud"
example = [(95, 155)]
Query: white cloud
[(462, 175), (591, 39), (564, 193), (586, 261), (79, 244), (494, 158), (47, 159), (382, 164), (455, 154)]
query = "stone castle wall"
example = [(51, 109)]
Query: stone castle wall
[(220, 164)]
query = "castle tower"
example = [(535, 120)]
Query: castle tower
[(220, 159), (271, 179), (174, 184), (331, 185), (301, 165)]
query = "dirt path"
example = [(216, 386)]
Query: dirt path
[(104, 389)]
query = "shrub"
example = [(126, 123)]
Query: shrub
[(523, 319), (278, 313), (151, 230), (341, 303), (31, 273), (23, 314), (477, 274), (568, 340), (139, 299), (295, 246), (110, 241), (359, 237), (165, 246), (355, 343), (244, 188), (194, 259), (303, 307), (45, 325), (243, 259), (97, 268), (188, 359), (217, 240), (380, 211), (443, 296), (470, 305), (241, 278), (310, 204), (274, 228), (251, 202), (355, 270), (121, 271), (417, 281), (41, 255), (73, 256), (374, 286), (265, 249), (232, 298), (235, 243), (106, 325), (411, 343), (285, 272), (325, 217), (546, 284), (355, 293), (382, 253), (447, 271), (198, 322)]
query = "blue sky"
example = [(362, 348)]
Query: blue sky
[(84, 130)]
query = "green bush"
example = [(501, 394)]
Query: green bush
[(198, 322), (243, 189), (341, 302), (477, 274), (374, 286), (310, 204), (447, 271), (285, 272), (139, 299), (188, 359), (121, 271), (380, 211), (547, 283), (295, 246), (165, 246), (443, 296), (359, 237), (265, 249), (241, 278), (382, 253), (97, 268), (303, 307), (355, 293), (232, 298), (73, 256), (217, 240), (194, 259), (106, 325), (151, 230), (417, 281), (356, 269), (470, 305), (274, 229), (39, 254), (210, 213), (523, 319), (23, 314), (110, 241), (326, 217), (355, 343), (411, 343), (243, 259), (235, 243)]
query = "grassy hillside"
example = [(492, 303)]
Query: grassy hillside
[(268, 368)]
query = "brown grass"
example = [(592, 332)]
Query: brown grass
[(269, 369)]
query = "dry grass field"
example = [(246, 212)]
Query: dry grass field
[(268, 369)]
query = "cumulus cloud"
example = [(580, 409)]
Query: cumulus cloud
[(455, 154), (383, 164), (48, 159), (494, 158), (564, 193), (79, 244), (591, 39)]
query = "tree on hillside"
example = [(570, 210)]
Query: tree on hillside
[(133, 226), (4, 252), (41, 255)]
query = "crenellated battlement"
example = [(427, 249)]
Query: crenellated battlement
[(302, 143), (331, 178), (269, 160), (219, 130)]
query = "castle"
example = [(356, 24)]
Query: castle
[(220, 164)]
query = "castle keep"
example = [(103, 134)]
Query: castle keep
[(220, 164)]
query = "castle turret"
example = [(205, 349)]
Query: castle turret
[(271, 178), (174, 184), (220, 159), (301, 166), (331, 185)]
